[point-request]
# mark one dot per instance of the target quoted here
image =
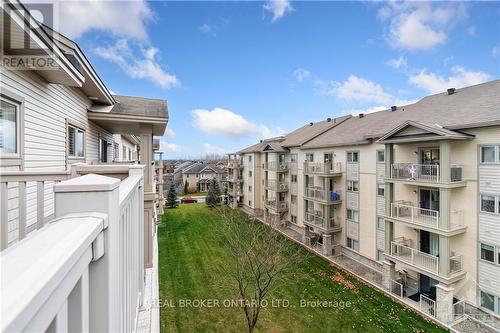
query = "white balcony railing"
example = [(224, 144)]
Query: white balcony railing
[(38, 182), (84, 270), (320, 194), (276, 205), (327, 168), (415, 215), (316, 219), (276, 166), (415, 257), (425, 261), (409, 213), (276, 185), (423, 172)]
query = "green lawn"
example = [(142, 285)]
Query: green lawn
[(189, 255)]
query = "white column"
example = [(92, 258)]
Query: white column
[(100, 194)]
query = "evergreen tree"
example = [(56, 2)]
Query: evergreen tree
[(171, 197), (186, 187), (213, 196)]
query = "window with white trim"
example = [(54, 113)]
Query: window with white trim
[(293, 219), (488, 253), (352, 244), (380, 190), (293, 158), (293, 199), (352, 157), (490, 203), (116, 150), (380, 255), (9, 125), (352, 215), (487, 301), (76, 142), (249, 173), (293, 178), (380, 223), (490, 154), (380, 156), (309, 157), (353, 185)]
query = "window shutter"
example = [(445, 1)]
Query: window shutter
[(71, 141)]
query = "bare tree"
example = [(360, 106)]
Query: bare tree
[(262, 259)]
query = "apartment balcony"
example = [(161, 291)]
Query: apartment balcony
[(91, 252), (317, 221), (323, 169), (425, 175), (276, 166), (275, 185), (323, 196), (276, 205), (426, 219), (233, 179), (234, 164), (426, 263)]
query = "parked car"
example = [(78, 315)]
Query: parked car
[(188, 200)]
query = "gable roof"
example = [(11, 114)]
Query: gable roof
[(273, 144), (469, 107), (415, 131), (309, 131), (202, 168)]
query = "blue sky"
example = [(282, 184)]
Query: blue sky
[(236, 72)]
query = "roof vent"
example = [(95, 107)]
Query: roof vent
[(361, 115), (328, 119), (261, 141), (394, 108), (451, 91), (310, 124)]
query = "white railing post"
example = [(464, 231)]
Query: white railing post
[(96, 193), (138, 169)]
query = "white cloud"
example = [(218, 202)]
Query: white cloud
[(206, 28), (170, 147), (140, 66), (420, 25), (471, 30), (301, 74), (211, 149), (225, 122), (169, 133), (120, 18), (495, 52), (279, 8), (399, 63), (461, 77), (356, 89)]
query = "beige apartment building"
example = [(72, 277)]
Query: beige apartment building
[(412, 192)]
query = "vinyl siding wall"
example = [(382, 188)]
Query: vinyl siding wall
[(47, 110)]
